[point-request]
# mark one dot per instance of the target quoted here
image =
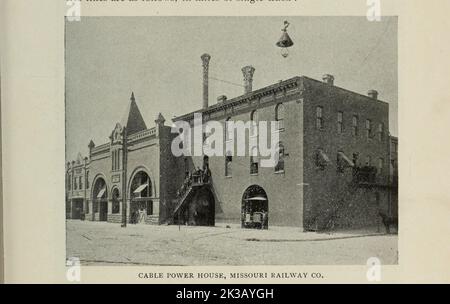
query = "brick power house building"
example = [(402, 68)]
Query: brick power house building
[(335, 164)]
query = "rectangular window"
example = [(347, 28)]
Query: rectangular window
[(75, 183), (380, 164), (319, 118), (112, 161), (355, 125), (228, 164), (87, 207), (380, 131), (368, 161), (81, 183), (118, 159), (339, 122), (115, 206), (70, 183), (150, 208), (368, 129), (87, 180)]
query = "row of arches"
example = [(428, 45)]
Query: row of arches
[(254, 206), (140, 192)]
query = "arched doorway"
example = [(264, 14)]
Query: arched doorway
[(100, 199), (201, 210), (255, 208), (141, 205)]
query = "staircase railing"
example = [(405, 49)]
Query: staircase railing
[(195, 180)]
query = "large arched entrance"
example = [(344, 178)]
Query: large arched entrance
[(201, 210), (255, 208), (141, 204), (100, 199)]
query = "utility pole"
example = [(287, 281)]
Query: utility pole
[(124, 177)]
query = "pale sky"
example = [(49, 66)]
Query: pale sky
[(159, 59)]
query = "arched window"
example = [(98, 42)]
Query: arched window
[(355, 125), (380, 131), (279, 167), (368, 128), (340, 117), (254, 161), (254, 123), (319, 118), (380, 164), (279, 116), (227, 129), (115, 201), (228, 164)]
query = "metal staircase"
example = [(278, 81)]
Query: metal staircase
[(194, 183)]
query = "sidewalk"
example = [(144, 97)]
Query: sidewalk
[(293, 234)]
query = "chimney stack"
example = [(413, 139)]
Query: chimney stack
[(248, 78), (373, 94), (329, 79), (205, 63)]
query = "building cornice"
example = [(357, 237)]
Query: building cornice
[(247, 98)]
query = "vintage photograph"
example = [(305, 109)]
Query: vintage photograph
[(231, 140)]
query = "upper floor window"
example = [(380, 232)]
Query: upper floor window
[(75, 187), (87, 180), (113, 160), (279, 167), (355, 125), (81, 183), (253, 123), (380, 131), (254, 165), (380, 164), (319, 118), (70, 183), (368, 128), (279, 116), (228, 136), (339, 122), (368, 161), (228, 163)]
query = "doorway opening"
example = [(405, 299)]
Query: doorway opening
[(255, 208)]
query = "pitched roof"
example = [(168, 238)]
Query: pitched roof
[(132, 118)]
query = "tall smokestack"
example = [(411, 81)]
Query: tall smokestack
[(248, 78), (205, 62)]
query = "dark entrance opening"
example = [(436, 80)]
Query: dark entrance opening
[(201, 209), (255, 208), (77, 209), (100, 199), (141, 205)]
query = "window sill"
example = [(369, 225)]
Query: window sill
[(279, 172), (254, 174), (228, 176)]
